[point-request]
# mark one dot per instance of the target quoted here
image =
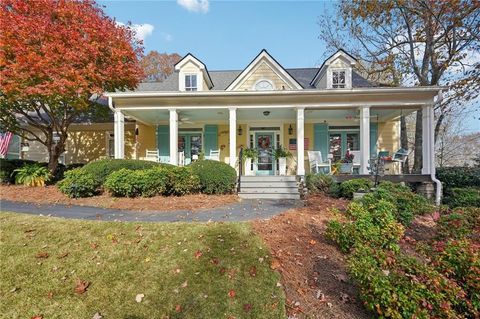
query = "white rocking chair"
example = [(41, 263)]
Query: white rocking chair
[(152, 156), (214, 155), (316, 162)]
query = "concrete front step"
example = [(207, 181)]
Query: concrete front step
[(268, 196), (268, 184), (269, 178), (269, 190)]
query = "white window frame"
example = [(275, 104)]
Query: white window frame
[(263, 80), (338, 85), (191, 88)]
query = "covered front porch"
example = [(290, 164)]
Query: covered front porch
[(217, 125)]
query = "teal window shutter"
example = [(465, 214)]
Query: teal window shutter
[(163, 142), (320, 139), (373, 139), (211, 138)]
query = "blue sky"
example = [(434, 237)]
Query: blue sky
[(227, 35), (231, 33)]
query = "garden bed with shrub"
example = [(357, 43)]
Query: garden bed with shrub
[(52, 195), (461, 186), (437, 277)]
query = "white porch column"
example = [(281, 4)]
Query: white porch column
[(119, 134), (364, 139), (173, 126), (233, 136), (427, 139), (300, 141)]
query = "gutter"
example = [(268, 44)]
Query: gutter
[(212, 93), (438, 192)]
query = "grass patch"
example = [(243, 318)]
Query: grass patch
[(184, 270)]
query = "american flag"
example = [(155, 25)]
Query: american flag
[(4, 141)]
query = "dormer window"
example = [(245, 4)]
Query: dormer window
[(338, 79), (191, 82)]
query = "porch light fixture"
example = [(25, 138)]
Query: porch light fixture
[(290, 130), (240, 131), (266, 113)]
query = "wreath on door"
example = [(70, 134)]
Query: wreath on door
[(264, 142)]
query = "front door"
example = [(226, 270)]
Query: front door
[(190, 144), (265, 146)]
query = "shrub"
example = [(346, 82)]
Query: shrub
[(102, 168), (123, 183), (215, 177), (319, 183), (6, 170), (79, 183), (132, 183), (32, 175), (181, 181), (347, 188), (376, 226), (462, 197), (458, 177), (406, 203), (459, 223)]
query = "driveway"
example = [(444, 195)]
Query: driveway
[(242, 211)]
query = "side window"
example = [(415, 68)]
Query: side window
[(110, 145), (338, 79), (191, 82)]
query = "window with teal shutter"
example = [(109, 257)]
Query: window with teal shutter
[(13, 151), (320, 139), (373, 139), (163, 143), (211, 138)]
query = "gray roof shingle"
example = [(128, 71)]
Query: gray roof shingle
[(222, 79)]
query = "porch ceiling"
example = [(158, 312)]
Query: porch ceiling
[(153, 117)]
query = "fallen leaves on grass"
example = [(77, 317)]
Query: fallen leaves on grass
[(247, 307), (81, 286), (198, 254), (178, 308), (139, 297), (275, 264), (231, 293), (42, 254), (253, 271), (37, 317), (97, 315), (65, 254)]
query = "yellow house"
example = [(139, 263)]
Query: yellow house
[(318, 114)]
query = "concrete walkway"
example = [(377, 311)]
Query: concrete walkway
[(242, 211)]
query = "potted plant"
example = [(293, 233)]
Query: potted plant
[(249, 154), (346, 166), (281, 154)]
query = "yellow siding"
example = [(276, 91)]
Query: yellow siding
[(263, 71), (223, 142), (388, 136), (145, 139), (292, 162)]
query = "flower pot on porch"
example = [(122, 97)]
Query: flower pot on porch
[(346, 168), (282, 166), (248, 167)]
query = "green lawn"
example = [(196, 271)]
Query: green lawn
[(215, 270)]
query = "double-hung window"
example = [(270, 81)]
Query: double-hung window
[(338, 79), (191, 82)]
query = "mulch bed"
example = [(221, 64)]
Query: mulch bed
[(313, 269), (51, 195)]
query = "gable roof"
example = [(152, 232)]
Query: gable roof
[(191, 58), (264, 55), (331, 58)]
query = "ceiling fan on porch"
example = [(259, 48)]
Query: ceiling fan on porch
[(184, 120)]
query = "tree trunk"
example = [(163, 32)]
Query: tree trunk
[(54, 152), (404, 143), (418, 158)]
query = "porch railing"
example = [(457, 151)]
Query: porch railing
[(240, 169)]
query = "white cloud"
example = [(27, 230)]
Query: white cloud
[(195, 5), (141, 30), (167, 37)]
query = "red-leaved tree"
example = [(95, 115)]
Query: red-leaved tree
[(55, 57)]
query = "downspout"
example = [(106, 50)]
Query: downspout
[(110, 104), (438, 193)]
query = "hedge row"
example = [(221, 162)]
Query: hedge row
[(395, 285), (131, 178)]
